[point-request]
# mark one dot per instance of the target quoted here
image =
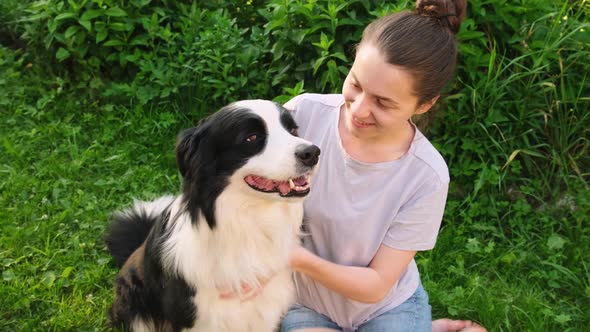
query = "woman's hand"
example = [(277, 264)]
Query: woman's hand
[(247, 292), (367, 284)]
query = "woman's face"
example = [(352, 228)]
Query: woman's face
[(379, 96)]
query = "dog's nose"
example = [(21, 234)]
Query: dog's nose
[(308, 155)]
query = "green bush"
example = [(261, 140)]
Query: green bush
[(11, 12), (98, 38), (203, 68), (517, 111)]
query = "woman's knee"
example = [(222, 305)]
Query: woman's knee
[(300, 318)]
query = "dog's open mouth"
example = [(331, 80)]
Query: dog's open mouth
[(292, 187)]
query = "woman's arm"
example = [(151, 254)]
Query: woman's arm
[(364, 284)]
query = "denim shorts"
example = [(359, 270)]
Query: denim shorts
[(412, 315)]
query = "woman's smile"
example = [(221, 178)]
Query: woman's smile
[(360, 123)]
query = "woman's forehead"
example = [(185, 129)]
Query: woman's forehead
[(380, 78)]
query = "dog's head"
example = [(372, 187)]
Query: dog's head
[(250, 145)]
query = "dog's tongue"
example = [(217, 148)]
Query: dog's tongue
[(300, 181), (260, 182)]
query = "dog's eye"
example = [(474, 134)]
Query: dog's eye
[(251, 138), (294, 132)]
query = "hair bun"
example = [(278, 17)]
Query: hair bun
[(450, 12)]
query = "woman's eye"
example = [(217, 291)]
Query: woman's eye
[(251, 138), (381, 104)]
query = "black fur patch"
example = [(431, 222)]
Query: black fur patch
[(287, 121), (210, 153), (143, 288), (126, 233)]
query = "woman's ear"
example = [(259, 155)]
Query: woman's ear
[(425, 107)]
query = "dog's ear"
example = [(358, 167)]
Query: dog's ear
[(195, 157), (188, 147)]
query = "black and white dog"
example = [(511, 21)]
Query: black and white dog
[(245, 173)]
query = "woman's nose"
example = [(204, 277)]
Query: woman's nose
[(360, 108)]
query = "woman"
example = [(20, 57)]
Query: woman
[(380, 193)]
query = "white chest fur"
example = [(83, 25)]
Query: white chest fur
[(252, 240)]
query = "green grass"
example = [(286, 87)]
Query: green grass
[(62, 173)]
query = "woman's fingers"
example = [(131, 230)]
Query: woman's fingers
[(247, 291)]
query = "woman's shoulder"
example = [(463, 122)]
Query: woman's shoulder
[(315, 99), (313, 112), (426, 154)]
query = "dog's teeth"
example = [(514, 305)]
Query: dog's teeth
[(308, 179), (291, 184)]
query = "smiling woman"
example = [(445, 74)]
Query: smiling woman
[(381, 188), (379, 102)]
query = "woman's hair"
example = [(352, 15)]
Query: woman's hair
[(421, 41)]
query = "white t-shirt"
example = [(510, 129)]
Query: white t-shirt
[(356, 207)]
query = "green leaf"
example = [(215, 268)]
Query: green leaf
[(119, 27), (340, 56), (555, 242), (7, 275), (62, 54), (132, 57), (67, 271), (466, 35), (140, 40), (90, 14), (71, 31), (8, 261), (140, 3), (95, 83), (99, 25), (318, 63), (452, 311), (101, 35), (350, 21), (64, 16), (563, 318), (48, 278), (298, 36), (115, 12), (511, 158), (114, 42), (508, 258), (52, 26), (324, 43), (296, 90), (86, 24), (473, 246)]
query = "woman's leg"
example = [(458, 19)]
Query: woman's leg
[(414, 315), (302, 319), (315, 330)]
